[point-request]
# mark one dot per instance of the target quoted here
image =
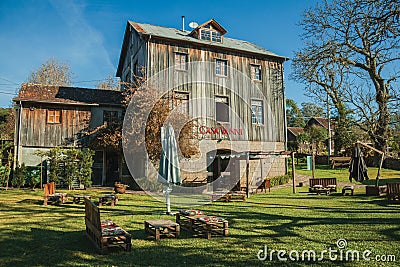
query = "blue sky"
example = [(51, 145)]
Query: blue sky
[(88, 35)]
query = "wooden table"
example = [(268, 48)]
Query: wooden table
[(78, 198), (158, 228), (111, 199)]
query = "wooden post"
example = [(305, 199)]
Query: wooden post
[(379, 171), (293, 173), (313, 164), (247, 175)]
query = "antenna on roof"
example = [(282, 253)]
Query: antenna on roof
[(183, 23), (193, 25)]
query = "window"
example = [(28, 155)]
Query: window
[(182, 102), (210, 35), (221, 67), (221, 109), (255, 71), (180, 61), (53, 116), (257, 115), (110, 117)]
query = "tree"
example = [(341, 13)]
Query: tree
[(7, 123), (148, 118), (293, 114), (52, 72), (109, 84), (318, 135), (310, 110), (155, 116), (351, 52)]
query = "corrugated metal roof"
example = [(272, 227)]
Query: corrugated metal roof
[(179, 35), (67, 95)]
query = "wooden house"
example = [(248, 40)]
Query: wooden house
[(243, 84), (56, 116)]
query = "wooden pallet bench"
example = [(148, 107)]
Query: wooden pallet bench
[(50, 196), (162, 228), (340, 162), (109, 199), (228, 196), (104, 234), (393, 192), (77, 198), (317, 184), (202, 225)]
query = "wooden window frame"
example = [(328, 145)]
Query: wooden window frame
[(178, 63), (181, 100), (258, 105), (108, 118), (253, 72), (223, 68), (53, 116), (218, 117)]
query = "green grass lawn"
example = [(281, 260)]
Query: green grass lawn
[(37, 235), (342, 174)]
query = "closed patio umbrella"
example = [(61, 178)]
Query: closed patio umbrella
[(358, 169), (169, 172)]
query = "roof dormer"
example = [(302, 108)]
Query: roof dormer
[(210, 31)]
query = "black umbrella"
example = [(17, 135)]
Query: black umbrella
[(358, 169)]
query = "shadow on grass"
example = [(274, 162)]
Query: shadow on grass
[(42, 247)]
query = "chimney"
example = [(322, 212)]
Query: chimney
[(183, 23)]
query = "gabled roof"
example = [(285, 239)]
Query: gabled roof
[(175, 35), (295, 130), (215, 25), (320, 121), (67, 95), (179, 35)]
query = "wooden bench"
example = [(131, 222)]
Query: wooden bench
[(104, 234), (198, 181), (318, 183), (51, 196), (203, 225), (393, 192), (340, 162)]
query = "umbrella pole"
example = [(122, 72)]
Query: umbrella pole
[(168, 200)]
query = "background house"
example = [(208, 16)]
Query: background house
[(54, 116), (259, 111)]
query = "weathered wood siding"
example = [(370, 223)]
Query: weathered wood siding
[(135, 57), (162, 56), (36, 132)]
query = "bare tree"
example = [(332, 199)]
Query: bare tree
[(351, 43), (52, 72), (109, 84)]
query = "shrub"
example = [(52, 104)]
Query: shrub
[(33, 176), (19, 176), (278, 180)]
